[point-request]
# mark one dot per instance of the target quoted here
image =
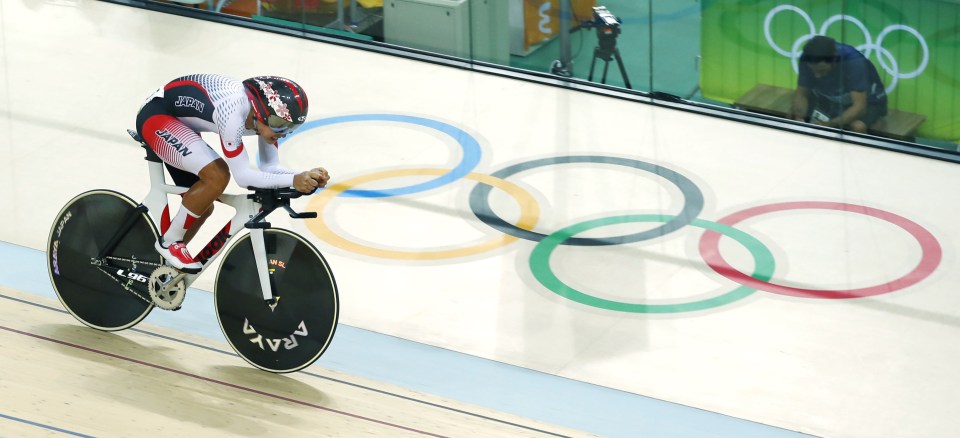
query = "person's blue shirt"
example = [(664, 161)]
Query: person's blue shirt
[(851, 72)]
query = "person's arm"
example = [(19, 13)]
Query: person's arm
[(231, 128), (269, 154), (853, 113), (306, 181), (798, 110), (247, 176)]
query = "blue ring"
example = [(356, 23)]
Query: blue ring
[(470, 146)]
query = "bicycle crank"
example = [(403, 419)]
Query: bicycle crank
[(166, 288)]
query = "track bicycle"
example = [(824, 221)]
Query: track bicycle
[(106, 272)]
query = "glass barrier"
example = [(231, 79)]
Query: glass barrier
[(757, 53), (742, 54), (598, 43)]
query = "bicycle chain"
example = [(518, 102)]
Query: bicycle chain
[(134, 262), (126, 286)]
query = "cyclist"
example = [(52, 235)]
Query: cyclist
[(171, 119)]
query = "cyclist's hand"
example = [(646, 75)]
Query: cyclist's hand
[(304, 182), (320, 174)]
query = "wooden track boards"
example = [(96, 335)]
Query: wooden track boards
[(150, 380)]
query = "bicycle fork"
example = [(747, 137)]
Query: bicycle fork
[(263, 270)]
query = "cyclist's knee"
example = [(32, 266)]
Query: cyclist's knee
[(217, 174)]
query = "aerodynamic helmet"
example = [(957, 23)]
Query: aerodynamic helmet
[(277, 102)]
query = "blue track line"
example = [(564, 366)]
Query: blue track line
[(449, 374), (44, 426)]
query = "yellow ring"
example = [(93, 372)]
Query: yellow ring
[(529, 215)]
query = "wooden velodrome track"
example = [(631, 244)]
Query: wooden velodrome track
[(60, 377)]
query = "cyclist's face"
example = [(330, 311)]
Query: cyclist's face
[(268, 134)]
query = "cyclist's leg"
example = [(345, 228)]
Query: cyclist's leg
[(183, 178), (213, 179), (181, 147)]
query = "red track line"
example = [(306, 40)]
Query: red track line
[(218, 382)]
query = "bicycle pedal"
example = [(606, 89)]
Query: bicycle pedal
[(186, 271)]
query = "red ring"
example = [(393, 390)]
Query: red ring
[(930, 248)]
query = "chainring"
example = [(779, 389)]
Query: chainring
[(165, 295)]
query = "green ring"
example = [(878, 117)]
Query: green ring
[(540, 265)]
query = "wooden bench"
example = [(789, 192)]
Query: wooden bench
[(776, 101)]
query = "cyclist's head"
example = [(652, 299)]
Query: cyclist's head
[(277, 102)]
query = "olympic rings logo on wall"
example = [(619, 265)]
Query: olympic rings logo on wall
[(546, 244), (884, 57)]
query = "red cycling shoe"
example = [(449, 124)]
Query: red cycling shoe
[(178, 257)]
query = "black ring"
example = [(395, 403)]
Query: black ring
[(693, 205)]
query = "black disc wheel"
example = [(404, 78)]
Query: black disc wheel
[(293, 333), (106, 293)]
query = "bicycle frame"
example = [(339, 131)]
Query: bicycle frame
[(249, 214)]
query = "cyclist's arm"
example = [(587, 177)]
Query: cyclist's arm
[(306, 181), (235, 154), (269, 155)]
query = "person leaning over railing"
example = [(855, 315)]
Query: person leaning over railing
[(837, 87)]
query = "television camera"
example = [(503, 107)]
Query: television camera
[(608, 29), (607, 24)]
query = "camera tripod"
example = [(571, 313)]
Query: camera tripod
[(605, 50)]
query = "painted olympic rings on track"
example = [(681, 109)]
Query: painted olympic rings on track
[(469, 145), (529, 215), (540, 266), (693, 197), (930, 259)]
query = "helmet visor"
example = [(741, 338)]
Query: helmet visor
[(281, 125)]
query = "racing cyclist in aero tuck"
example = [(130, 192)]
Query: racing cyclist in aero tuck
[(171, 119)]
